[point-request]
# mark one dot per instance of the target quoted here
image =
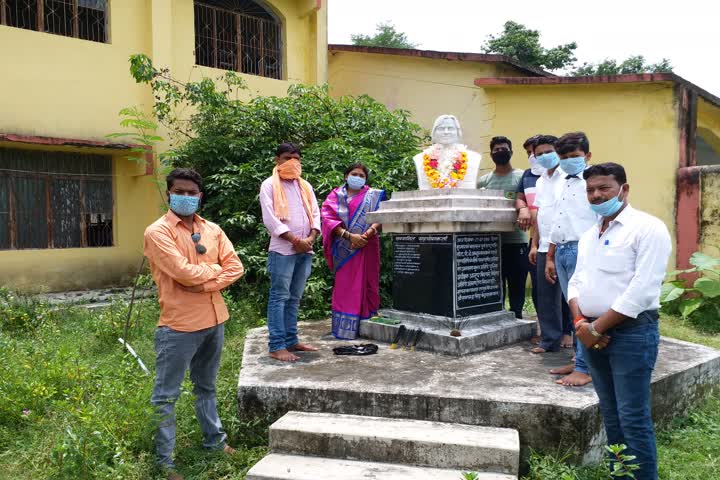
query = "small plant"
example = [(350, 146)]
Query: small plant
[(699, 303), (470, 476), (619, 464)]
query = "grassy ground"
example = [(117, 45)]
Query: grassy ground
[(74, 404)]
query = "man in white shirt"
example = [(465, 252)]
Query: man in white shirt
[(549, 306), (573, 217), (614, 297)]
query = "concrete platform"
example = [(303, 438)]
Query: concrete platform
[(284, 467), (507, 387), (397, 441)]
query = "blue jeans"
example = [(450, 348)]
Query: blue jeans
[(549, 308), (288, 274), (176, 351), (565, 261), (621, 376)]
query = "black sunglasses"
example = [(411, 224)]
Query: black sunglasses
[(198, 248)]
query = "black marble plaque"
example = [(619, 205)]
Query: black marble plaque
[(450, 275)]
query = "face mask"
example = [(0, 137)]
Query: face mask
[(534, 167), (290, 170), (501, 157), (356, 183), (184, 205), (609, 207), (573, 166), (548, 160)]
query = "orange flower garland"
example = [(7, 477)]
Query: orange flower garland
[(456, 174)]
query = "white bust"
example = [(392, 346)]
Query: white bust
[(447, 163)]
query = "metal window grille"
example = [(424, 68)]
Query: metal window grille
[(85, 19), (229, 38), (55, 200)]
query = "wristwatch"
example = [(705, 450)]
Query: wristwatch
[(593, 332)]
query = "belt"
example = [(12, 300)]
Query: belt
[(645, 318), (566, 244)]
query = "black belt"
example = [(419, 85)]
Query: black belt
[(645, 318)]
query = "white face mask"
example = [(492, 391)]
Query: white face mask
[(535, 168)]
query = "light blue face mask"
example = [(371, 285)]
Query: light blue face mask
[(184, 205), (609, 207), (548, 160), (573, 166), (356, 183)]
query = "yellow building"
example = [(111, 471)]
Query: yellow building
[(663, 129), (73, 207)]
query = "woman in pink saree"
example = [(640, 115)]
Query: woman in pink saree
[(352, 250)]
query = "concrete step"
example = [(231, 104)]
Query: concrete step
[(397, 441), (284, 467)]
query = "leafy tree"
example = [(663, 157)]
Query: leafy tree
[(232, 144), (386, 36), (523, 44), (633, 64)]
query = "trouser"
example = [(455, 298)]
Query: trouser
[(621, 375), (288, 274), (515, 266), (565, 262), (176, 351)]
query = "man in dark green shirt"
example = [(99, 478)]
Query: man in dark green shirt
[(515, 264)]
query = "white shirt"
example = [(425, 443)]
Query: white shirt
[(573, 215), (624, 268), (547, 193)]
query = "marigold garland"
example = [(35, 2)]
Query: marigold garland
[(456, 173)]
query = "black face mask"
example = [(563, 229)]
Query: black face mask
[(501, 157)]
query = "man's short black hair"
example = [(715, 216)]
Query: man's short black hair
[(184, 174), (531, 141), (287, 148), (500, 140), (572, 141), (606, 169), (545, 140)]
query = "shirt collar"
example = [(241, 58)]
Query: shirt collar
[(625, 217), (172, 218), (557, 173)]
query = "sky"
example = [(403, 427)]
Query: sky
[(683, 31)]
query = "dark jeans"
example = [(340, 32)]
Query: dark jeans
[(621, 377), (549, 308), (288, 274), (176, 351), (515, 266), (533, 282)]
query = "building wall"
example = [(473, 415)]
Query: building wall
[(426, 87), (65, 88), (710, 211)]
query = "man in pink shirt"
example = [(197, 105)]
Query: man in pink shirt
[(291, 215)]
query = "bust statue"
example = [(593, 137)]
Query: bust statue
[(447, 163)]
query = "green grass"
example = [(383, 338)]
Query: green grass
[(75, 405)]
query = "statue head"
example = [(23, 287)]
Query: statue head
[(446, 130)]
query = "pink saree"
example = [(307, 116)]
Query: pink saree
[(356, 293)]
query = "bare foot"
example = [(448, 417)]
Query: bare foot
[(536, 340), (284, 356), (566, 370), (301, 347), (575, 379), (567, 341), (229, 450), (538, 350)]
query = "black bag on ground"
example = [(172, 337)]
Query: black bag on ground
[(364, 349)]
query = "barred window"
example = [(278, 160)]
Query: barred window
[(55, 200), (85, 19), (238, 35)]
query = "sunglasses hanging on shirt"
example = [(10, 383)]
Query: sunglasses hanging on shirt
[(198, 247)]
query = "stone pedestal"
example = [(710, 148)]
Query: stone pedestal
[(446, 270)]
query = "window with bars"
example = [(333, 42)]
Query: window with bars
[(55, 200), (238, 35), (85, 19)]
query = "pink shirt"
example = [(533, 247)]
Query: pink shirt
[(298, 224)]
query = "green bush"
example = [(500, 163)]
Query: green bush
[(698, 303), (232, 143)]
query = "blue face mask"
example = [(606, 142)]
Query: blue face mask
[(548, 160), (356, 183), (609, 207), (184, 205), (573, 166)]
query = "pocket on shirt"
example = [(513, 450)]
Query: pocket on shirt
[(616, 260)]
